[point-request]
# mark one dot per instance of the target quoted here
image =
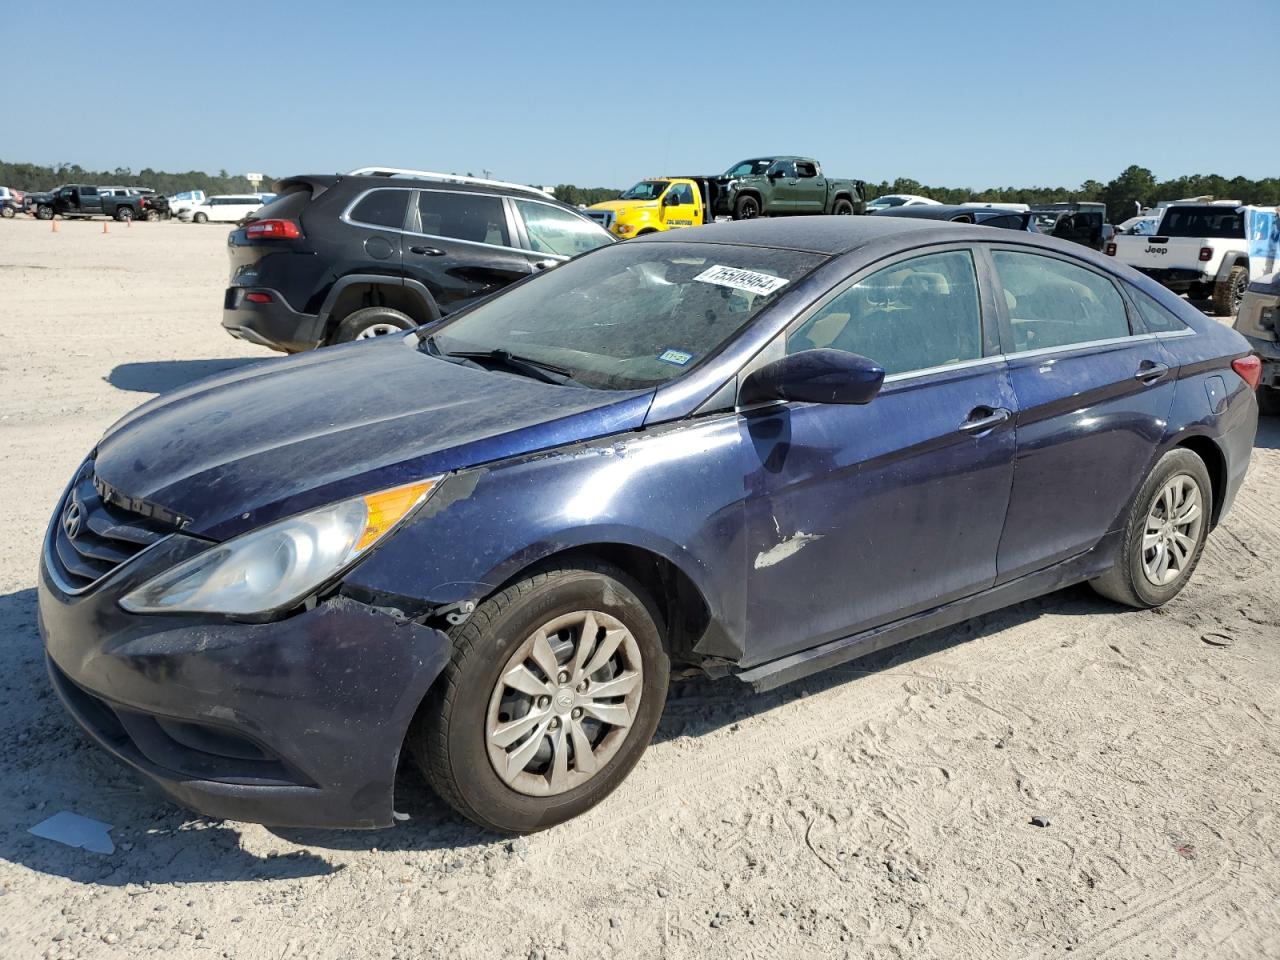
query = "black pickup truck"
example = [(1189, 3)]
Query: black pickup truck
[(82, 200)]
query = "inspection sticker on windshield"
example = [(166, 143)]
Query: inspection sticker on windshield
[(739, 279), (678, 357)]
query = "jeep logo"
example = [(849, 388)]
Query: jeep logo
[(1160, 250)]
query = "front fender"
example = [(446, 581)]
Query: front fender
[(676, 492)]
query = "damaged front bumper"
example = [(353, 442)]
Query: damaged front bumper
[(297, 722)]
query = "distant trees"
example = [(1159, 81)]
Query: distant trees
[(31, 176), (572, 195)]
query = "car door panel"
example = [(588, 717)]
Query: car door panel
[(1091, 413), (861, 515)]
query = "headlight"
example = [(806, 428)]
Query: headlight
[(276, 566)]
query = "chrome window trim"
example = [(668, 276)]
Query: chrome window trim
[(1094, 344), (345, 217), (944, 367)]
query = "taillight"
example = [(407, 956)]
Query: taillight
[(1111, 249), (1250, 370), (273, 230), (258, 297), (1206, 254)]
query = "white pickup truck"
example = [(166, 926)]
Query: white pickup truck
[(1200, 248)]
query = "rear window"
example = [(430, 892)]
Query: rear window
[(1156, 318), (463, 216), (382, 208), (1221, 222), (286, 206)]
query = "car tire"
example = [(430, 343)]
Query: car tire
[(463, 736), (6, 212), (369, 322), (1166, 494), (747, 208), (199, 218), (152, 216), (123, 214), (843, 208), (44, 213), (1229, 291)]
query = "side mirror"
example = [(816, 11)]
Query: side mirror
[(814, 376), (670, 199), (774, 174)]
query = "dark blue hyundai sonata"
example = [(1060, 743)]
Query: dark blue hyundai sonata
[(757, 448)]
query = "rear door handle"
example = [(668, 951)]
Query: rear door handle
[(544, 264), (427, 251), (1151, 372), (982, 419)]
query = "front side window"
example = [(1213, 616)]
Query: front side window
[(646, 190), (382, 208), (633, 315), (1156, 318), (559, 232), (913, 315), (783, 168), (476, 217), (683, 194), (1053, 303)]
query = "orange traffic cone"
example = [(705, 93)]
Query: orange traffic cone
[(55, 225), (105, 227)]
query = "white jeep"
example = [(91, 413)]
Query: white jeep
[(1199, 248)]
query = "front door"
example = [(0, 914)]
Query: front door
[(1093, 399), (679, 207), (782, 192), (861, 515), (459, 244)]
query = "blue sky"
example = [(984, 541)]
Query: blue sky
[(950, 93)]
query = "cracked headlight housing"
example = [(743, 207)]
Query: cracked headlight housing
[(277, 566)]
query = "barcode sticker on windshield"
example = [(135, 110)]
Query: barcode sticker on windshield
[(739, 279)]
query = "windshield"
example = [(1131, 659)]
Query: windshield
[(646, 190), (749, 168), (1202, 222), (882, 203), (629, 316)]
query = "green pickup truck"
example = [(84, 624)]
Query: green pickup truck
[(784, 186)]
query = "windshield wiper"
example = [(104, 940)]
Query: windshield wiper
[(539, 370)]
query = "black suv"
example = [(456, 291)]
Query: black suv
[(340, 258)]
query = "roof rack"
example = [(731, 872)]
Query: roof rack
[(443, 178)]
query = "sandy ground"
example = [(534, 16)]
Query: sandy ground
[(879, 811)]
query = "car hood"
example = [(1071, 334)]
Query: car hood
[(279, 436), (619, 205)]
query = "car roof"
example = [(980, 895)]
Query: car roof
[(361, 182)]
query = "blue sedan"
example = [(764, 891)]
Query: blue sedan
[(760, 449)]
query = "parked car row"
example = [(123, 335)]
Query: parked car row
[(85, 201)]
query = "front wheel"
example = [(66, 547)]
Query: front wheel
[(123, 214), (1229, 291), (1164, 535), (6, 212), (200, 218), (555, 688), (44, 213), (843, 208), (747, 208)]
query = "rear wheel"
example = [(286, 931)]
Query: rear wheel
[(747, 208), (152, 216), (370, 322), (555, 688), (843, 208), (1229, 291), (123, 214), (200, 218), (1164, 534), (6, 212)]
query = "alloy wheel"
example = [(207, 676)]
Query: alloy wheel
[(564, 703), (1172, 530), (377, 330)]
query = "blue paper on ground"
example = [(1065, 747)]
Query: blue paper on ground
[(76, 831)]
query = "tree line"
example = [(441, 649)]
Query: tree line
[(1134, 186)]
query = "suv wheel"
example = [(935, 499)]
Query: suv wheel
[(1164, 534), (369, 322), (7, 212), (1229, 291), (200, 218), (555, 688)]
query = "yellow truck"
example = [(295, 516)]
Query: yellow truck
[(663, 203)]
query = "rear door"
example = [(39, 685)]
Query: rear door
[(1093, 393), (861, 515), (88, 200), (811, 188), (461, 246), (376, 241)]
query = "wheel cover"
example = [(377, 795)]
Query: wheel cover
[(377, 330), (564, 703), (1172, 530)]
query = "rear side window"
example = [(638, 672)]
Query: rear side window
[(463, 216), (559, 232), (382, 208), (1155, 318), (912, 315), (1004, 223), (285, 206), (1053, 303)]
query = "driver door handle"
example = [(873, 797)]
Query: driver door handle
[(982, 419), (544, 264), (427, 251), (1151, 372)]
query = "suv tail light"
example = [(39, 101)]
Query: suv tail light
[(273, 230), (1250, 370), (1206, 254), (1111, 249)]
